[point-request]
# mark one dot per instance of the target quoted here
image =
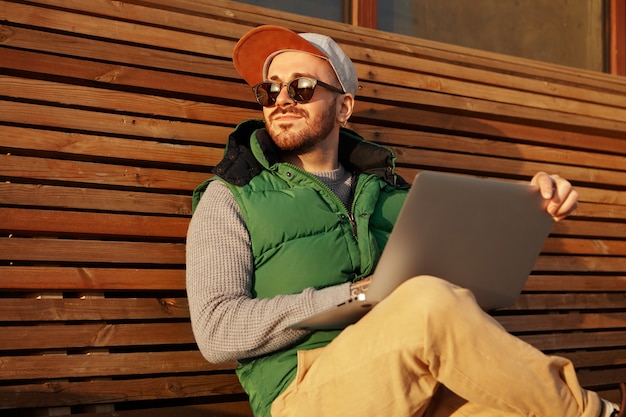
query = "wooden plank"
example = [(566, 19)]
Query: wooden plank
[(601, 377), (562, 322), (47, 278), (441, 77), (114, 364), (504, 130), (581, 246), (15, 139), (603, 196), (576, 283), (91, 251), (537, 136), (74, 309), (595, 210), (570, 301), (96, 174), (100, 335), (500, 147), (577, 340), (107, 335), (118, 391), (585, 264), (106, 50), (185, 103), (228, 408), (597, 358), (574, 246), (594, 203), (501, 166), (72, 223), (588, 228), (486, 128), (125, 32), (185, 17), (39, 195), (99, 123), (89, 223)]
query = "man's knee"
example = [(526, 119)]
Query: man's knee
[(432, 294)]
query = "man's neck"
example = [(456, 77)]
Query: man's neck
[(321, 158), (312, 163)]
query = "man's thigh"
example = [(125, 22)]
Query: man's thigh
[(366, 371)]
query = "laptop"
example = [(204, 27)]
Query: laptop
[(480, 234)]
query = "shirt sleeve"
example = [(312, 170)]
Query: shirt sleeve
[(229, 324)]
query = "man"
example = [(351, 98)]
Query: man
[(274, 240)]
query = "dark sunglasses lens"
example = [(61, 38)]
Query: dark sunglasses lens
[(302, 89), (266, 93)]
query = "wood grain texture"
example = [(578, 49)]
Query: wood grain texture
[(111, 113)]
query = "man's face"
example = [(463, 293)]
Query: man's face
[(298, 127)]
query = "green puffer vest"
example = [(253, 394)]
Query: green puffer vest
[(301, 234)]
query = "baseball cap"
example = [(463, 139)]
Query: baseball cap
[(256, 49)]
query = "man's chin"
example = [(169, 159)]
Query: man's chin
[(289, 147), (290, 143)]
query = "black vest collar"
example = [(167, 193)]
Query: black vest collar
[(239, 164)]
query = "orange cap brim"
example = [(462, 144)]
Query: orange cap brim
[(253, 49)]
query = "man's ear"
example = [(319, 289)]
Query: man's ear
[(345, 108)]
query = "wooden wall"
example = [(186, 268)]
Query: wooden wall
[(112, 112)]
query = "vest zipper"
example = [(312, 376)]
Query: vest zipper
[(349, 208), (351, 204)]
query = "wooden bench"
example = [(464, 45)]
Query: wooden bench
[(112, 112)]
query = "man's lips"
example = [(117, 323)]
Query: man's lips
[(286, 116)]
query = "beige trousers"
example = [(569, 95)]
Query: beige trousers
[(429, 350)]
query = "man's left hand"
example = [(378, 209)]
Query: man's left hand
[(560, 197)]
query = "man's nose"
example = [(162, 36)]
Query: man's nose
[(283, 98)]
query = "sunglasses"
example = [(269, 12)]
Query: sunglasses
[(300, 89)]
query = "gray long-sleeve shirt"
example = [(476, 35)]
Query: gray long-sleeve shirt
[(227, 322)]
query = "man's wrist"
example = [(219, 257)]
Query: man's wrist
[(359, 288)]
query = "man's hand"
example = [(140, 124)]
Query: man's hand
[(560, 197)]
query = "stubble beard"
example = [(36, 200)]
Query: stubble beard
[(298, 142)]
